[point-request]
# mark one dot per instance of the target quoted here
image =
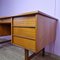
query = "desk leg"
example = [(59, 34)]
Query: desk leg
[(27, 57), (43, 52), (27, 54)]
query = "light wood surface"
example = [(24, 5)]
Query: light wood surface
[(25, 32), (25, 43), (25, 21), (44, 31)]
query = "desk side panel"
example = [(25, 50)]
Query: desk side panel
[(46, 31)]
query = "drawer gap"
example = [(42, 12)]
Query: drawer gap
[(24, 26), (23, 37)]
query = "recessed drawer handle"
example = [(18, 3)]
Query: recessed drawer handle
[(25, 26), (23, 37)]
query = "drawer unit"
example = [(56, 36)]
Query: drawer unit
[(29, 33), (33, 31), (24, 32)]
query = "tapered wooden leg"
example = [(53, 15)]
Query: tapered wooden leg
[(43, 52), (26, 54)]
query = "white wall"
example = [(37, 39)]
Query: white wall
[(57, 43), (0, 6), (13, 7), (55, 48)]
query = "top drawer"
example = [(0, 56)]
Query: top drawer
[(29, 21)]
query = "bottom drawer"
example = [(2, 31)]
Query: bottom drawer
[(25, 43)]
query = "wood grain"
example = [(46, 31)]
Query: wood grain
[(25, 21), (26, 32), (25, 43), (45, 31)]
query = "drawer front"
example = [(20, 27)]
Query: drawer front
[(8, 20), (29, 33), (24, 21), (25, 43)]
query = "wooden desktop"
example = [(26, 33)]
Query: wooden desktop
[(33, 30)]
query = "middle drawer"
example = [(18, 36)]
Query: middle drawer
[(29, 33)]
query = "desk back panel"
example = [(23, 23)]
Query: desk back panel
[(5, 26), (5, 29)]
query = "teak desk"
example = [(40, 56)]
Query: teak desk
[(33, 30)]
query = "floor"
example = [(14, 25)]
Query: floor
[(11, 52)]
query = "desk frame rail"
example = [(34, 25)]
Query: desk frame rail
[(27, 57)]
